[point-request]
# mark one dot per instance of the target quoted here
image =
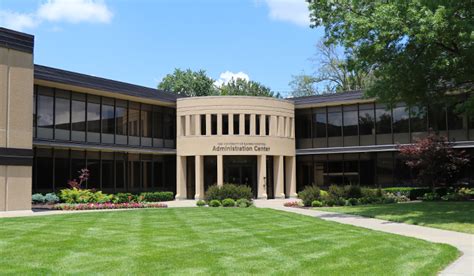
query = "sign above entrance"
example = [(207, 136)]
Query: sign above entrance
[(240, 147)]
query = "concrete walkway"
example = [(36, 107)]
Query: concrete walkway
[(462, 241)]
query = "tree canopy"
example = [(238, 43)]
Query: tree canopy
[(418, 51), (197, 83), (246, 88), (188, 83)]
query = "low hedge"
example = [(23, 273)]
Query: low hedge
[(157, 196), (102, 206), (232, 191)]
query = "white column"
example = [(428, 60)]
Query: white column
[(208, 124), (219, 124), (231, 124), (199, 173), (180, 177), (273, 126), (262, 124), (187, 126), (262, 176), (252, 124), (291, 176), (220, 170), (197, 123), (278, 176), (241, 124)]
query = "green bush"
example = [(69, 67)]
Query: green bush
[(431, 197), (352, 201), (38, 199), (157, 196), (243, 203), (352, 191), (340, 202), (124, 198), (368, 192), (51, 198), (316, 203), (232, 191), (309, 194), (200, 203), (75, 195), (228, 202), (336, 191), (418, 193), (215, 203)]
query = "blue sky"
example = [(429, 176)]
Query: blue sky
[(141, 41)]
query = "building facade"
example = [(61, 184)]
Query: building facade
[(135, 139)]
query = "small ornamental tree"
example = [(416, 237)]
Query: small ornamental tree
[(435, 160), (83, 176)]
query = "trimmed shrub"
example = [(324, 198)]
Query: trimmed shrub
[(340, 202), (200, 203), (51, 198), (157, 196), (352, 201), (215, 203), (316, 203), (352, 191), (336, 191), (75, 195), (232, 191), (418, 193), (124, 198), (431, 197), (243, 203), (368, 192), (228, 202), (309, 194), (38, 199)]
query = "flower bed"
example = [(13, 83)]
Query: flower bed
[(102, 206)]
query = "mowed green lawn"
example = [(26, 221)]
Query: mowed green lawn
[(455, 216), (215, 241)]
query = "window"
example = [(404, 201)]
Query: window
[(134, 124), (257, 124), (418, 120), (350, 121), (400, 119), (437, 118), (93, 164), (62, 115), (203, 124), (334, 122), (121, 122), (236, 119), (157, 127), (225, 124), (78, 116), (213, 124), (169, 127), (366, 119), (93, 119), (61, 169), (455, 119), (44, 169), (78, 162), (383, 120), (320, 123), (45, 114), (303, 124), (247, 124), (120, 170), (107, 173), (108, 120), (146, 124)]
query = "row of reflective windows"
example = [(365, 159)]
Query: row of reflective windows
[(69, 116), (236, 124), (109, 171), (366, 169), (370, 124)]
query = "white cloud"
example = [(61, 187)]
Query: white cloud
[(70, 11), (227, 76), (293, 11), (17, 21), (75, 11)]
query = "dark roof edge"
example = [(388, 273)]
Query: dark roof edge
[(329, 97), (51, 74), (19, 41)]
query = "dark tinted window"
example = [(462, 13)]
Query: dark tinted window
[(418, 119), (350, 121), (366, 119), (400, 119), (225, 124), (108, 117), (383, 120), (334, 121)]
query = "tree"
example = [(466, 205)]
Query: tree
[(303, 85), (188, 83), (246, 88), (419, 51), (434, 160), (334, 72)]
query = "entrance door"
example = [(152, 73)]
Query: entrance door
[(241, 170)]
